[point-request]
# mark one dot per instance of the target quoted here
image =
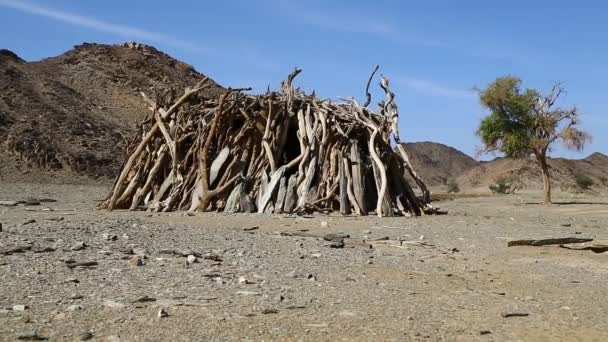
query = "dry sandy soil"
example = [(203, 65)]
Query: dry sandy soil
[(452, 277)]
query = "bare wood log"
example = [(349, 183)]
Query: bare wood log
[(357, 177), (278, 208)]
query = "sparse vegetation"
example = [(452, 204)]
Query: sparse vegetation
[(604, 181), (505, 185), (452, 186), (523, 123), (583, 182)]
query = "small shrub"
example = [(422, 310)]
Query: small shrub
[(505, 185), (583, 182), (452, 186), (604, 180)]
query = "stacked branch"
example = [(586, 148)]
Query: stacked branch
[(280, 152)]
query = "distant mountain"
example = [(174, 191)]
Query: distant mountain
[(563, 172), (74, 111), (436, 163)]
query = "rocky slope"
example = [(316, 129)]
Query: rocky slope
[(436, 163), (76, 111)]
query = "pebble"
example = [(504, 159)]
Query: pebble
[(75, 307), (136, 261), (20, 307), (28, 222), (243, 280), (367, 232), (191, 259), (324, 224), (332, 236), (0, 227), (109, 237), (85, 336), (162, 313), (78, 246), (337, 243)]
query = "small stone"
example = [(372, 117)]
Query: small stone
[(112, 304), (72, 280), (421, 237), (324, 224), (566, 224), (311, 277), (269, 311), (111, 338), (85, 336), (245, 281), (30, 335), (78, 246), (0, 227), (367, 232), (369, 262), (20, 307), (337, 243), (144, 299), (162, 313), (126, 250), (485, 332), (75, 307), (248, 293), (279, 298), (191, 259), (109, 237), (248, 229), (75, 297), (136, 261)]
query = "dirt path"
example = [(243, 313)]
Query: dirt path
[(451, 278)]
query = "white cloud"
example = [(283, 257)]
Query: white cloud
[(128, 32), (431, 88)]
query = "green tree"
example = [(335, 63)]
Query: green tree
[(522, 123)]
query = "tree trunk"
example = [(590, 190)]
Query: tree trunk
[(544, 168)]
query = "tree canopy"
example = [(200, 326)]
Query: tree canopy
[(523, 122)]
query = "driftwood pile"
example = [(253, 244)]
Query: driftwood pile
[(280, 152)]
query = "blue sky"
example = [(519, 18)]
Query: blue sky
[(435, 52)]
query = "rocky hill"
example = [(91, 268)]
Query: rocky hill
[(76, 111), (436, 163), (526, 171)]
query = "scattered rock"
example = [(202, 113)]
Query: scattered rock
[(72, 280), (75, 307), (485, 332), (248, 293), (8, 203), (0, 227), (20, 307), (324, 224), (30, 335), (30, 202), (136, 261), (85, 336), (514, 314), (162, 313), (75, 296), (191, 259), (109, 237), (78, 246), (247, 229), (144, 299), (269, 311), (337, 243), (139, 251), (367, 232), (243, 280)]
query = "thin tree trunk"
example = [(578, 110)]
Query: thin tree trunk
[(544, 168)]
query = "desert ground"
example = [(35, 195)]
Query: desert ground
[(71, 272)]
